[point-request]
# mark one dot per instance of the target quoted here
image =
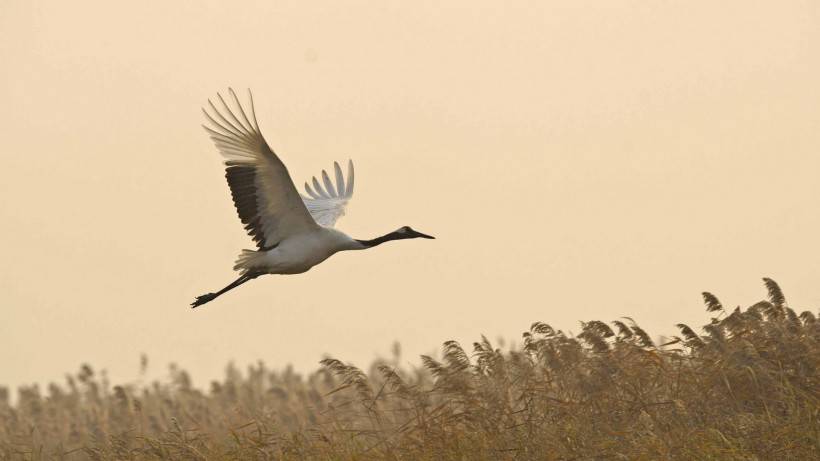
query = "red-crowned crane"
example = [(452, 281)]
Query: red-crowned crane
[(293, 232)]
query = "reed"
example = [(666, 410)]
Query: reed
[(744, 386)]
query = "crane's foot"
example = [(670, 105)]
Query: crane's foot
[(200, 300)]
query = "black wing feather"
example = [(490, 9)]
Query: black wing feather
[(242, 181)]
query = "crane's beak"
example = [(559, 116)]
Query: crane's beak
[(424, 236)]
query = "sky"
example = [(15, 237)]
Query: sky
[(576, 160)]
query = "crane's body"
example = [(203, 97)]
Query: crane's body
[(297, 254), (293, 232)]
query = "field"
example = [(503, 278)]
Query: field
[(744, 386)]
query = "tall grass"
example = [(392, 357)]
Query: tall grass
[(745, 386)]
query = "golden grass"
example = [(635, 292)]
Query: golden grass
[(746, 387)]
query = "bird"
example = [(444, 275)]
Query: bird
[(292, 231)]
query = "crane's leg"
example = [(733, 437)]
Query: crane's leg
[(207, 297)]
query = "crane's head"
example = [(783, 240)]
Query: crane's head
[(407, 232)]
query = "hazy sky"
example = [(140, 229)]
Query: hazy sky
[(576, 160)]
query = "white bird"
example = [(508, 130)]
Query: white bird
[(293, 232)]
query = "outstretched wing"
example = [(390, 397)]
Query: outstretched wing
[(264, 195), (328, 205)]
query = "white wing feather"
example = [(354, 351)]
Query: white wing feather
[(327, 204), (264, 195)]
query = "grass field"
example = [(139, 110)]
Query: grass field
[(745, 386)]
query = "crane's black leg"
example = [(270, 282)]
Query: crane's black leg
[(207, 297)]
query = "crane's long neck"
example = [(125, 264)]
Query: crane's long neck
[(379, 240)]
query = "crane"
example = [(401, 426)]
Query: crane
[(293, 232)]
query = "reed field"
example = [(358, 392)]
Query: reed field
[(745, 386)]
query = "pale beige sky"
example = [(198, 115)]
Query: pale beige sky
[(577, 160)]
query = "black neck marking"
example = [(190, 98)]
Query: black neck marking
[(384, 238)]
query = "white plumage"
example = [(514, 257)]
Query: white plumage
[(293, 232), (328, 205)]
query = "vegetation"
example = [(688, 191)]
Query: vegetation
[(745, 387)]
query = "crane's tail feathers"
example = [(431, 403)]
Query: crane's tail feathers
[(249, 260)]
